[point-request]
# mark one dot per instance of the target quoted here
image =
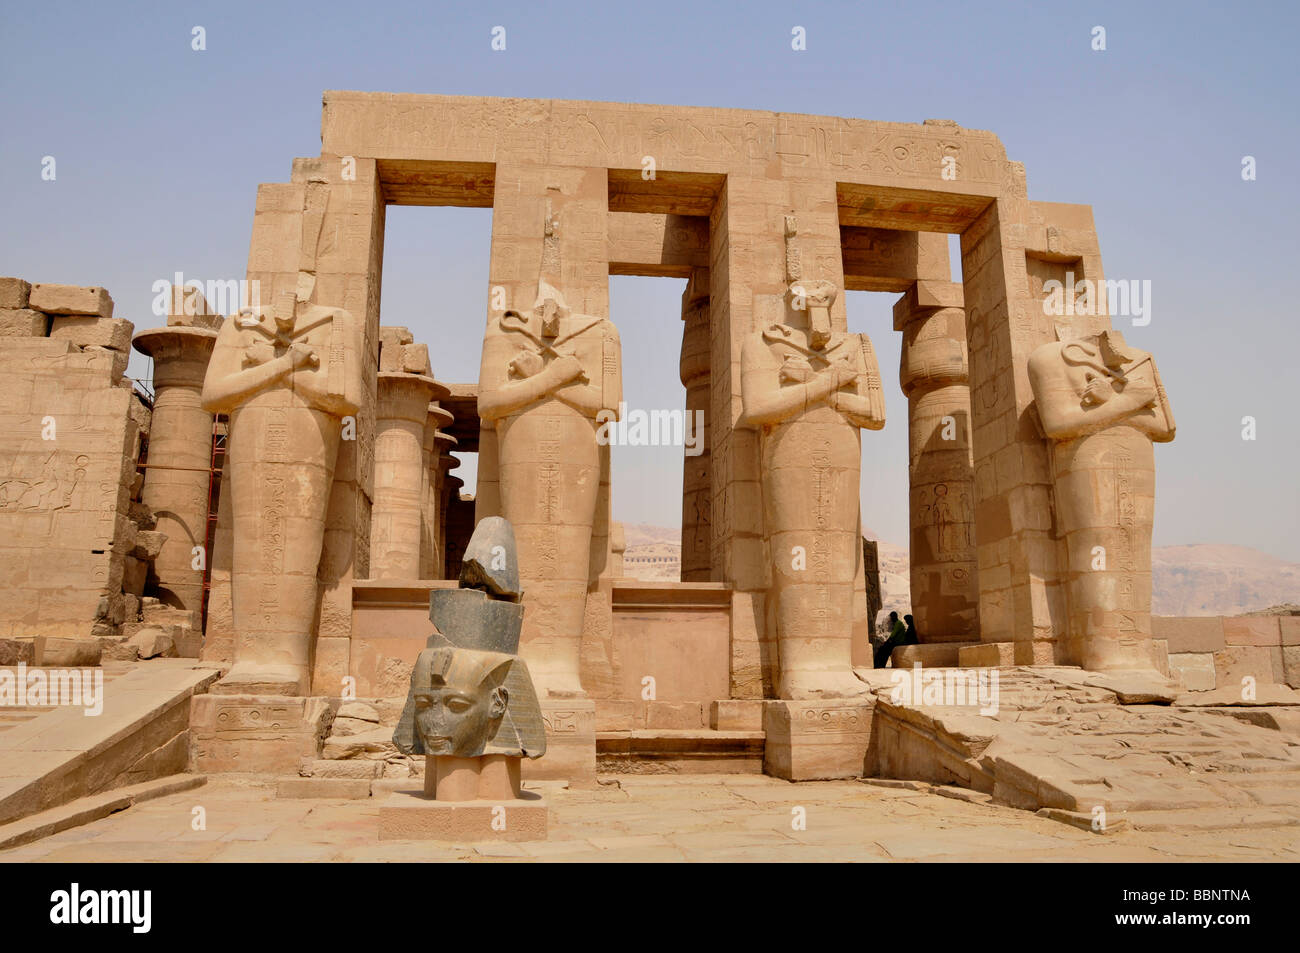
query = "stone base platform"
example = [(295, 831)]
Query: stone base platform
[(265, 734), (570, 743), (817, 740), (408, 815)]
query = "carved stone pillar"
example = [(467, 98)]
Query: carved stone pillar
[(177, 479), (934, 374), (397, 516), (697, 491), (429, 498)]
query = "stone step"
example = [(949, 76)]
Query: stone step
[(681, 751)]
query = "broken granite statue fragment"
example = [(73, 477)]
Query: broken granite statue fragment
[(471, 694)]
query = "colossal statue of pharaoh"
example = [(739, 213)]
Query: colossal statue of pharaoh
[(809, 390), (545, 377), (286, 378), (1101, 404)]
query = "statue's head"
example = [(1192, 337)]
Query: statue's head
[(811, 302), (459, 699), (550, 309)]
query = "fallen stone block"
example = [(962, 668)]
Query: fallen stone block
[(354, 769), (153, 642), (67, 653)]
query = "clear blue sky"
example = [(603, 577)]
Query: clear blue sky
[(160, 148)]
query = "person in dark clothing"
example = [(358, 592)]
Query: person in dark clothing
[(909, 637), (897, 636)]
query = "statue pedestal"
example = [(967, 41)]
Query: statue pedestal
[(264, 734), (465, 799), (570, 743), (817, 740)]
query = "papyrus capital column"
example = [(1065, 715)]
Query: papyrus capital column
[(177, 480), (396, 520)]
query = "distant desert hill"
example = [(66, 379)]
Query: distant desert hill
[(1198, 579)]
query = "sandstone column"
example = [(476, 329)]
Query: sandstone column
[(697, 542), (177, 480), (933, 373), (436, 444), (396, 517)]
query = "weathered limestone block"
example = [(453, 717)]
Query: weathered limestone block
[(113, 333), (23, 323), (71, 299), (14, 293)]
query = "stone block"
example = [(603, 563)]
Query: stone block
[(1189, 634), (1252, 630), (14, 293), (71, 299), (816, 740), (987, 655), (23, 323), (351, 789), (674, 715), (415, 359), (14, 651), (153, 642), (66, 653), (1290, 629), (570, 743), (1291, 665), (112, 333), (933, 655), (736, 714), (410, 816), (1234, 662), (268, 734)]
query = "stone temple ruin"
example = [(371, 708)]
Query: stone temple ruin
[(281, 506)]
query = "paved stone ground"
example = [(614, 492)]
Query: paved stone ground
[(682, 818)]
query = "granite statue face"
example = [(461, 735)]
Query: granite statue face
[(460, 699)]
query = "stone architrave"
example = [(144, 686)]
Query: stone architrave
[(545, 377), (1101, 405), (287, 378), (808, 390)]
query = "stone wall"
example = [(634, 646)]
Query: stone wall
[(74, 547), (1214, 652)]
